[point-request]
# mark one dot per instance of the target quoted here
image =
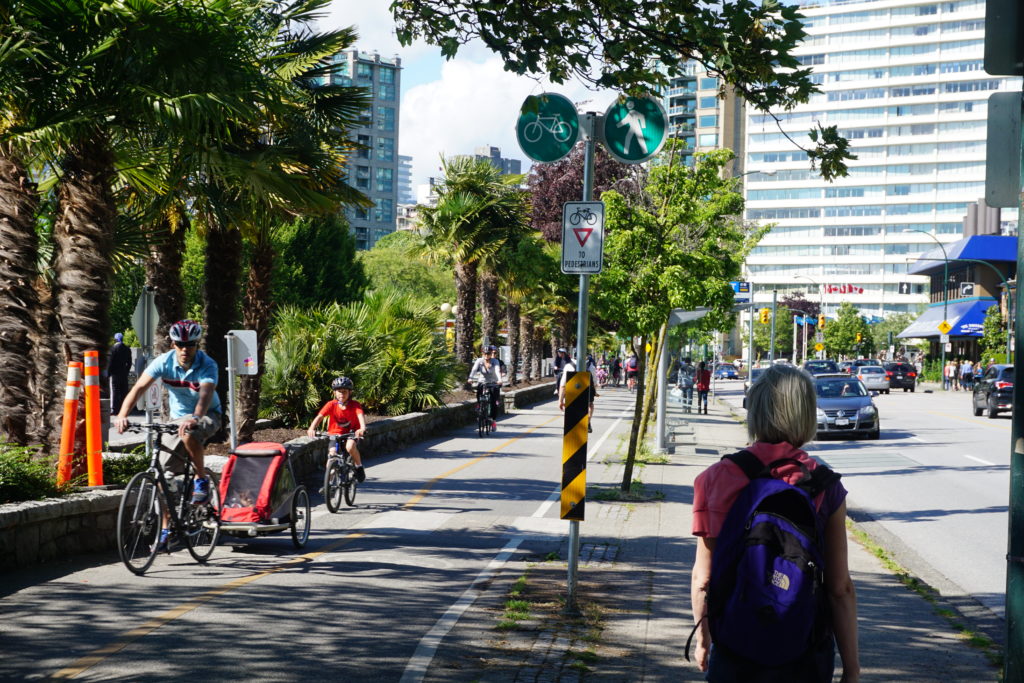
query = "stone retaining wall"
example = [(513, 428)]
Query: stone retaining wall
[(41, 531)]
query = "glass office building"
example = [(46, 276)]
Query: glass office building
[(904, 82)]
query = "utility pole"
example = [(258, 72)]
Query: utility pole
[(771, 346)]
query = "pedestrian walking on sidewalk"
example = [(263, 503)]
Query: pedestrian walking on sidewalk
[(781, 418), (702, 380)]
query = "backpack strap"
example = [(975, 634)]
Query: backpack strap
[(748, 462)]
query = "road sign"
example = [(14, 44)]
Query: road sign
[(966, 289), (574, 446), (904, 288), (634, 129), (945, 327), (943, 338), (548, 127), (582, 238), (144, 318), (819, 347), (741, 292), (243, 351)]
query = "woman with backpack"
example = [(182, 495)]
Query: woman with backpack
[(789, 630)]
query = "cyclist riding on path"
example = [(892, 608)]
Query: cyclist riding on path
[(190, 377), (343, 414), (489, 370)]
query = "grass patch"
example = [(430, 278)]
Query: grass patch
[(989, 648), (516, 609), (637, 493)]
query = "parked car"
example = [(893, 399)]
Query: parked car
[(993, 391), (821, 367), (726, 372), (845, 406), (751, 378), (901, 376), (845, 366), (874, 378)]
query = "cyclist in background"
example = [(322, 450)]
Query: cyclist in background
[(489, 370), (343, 415), (190, 377)]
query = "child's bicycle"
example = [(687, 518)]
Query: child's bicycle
[(340, 472), (156, 495), (484, 410)]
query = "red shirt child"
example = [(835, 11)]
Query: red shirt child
[(342, 418)]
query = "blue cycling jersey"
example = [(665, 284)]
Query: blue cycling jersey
[(183, 385)]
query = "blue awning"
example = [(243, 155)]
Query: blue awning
[(966, 317)]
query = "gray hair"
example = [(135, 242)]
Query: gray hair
[(782, 406)]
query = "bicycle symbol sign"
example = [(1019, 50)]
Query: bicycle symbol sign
[(548, 127), (582, 238)]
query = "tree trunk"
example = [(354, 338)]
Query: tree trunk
[(489, 306), (512, 318), (83, 235), (634, 431), (222, 269), (257, 311), (47, 377), (565, 330), (18, 256), (539, 334), (526, 334), (163, 274), (465, 321), (657, 348)]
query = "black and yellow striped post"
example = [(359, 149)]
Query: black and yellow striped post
[(574, 446)]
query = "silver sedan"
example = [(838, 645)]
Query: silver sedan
[(874, 378)]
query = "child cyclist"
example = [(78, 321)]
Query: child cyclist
[(343, 414)]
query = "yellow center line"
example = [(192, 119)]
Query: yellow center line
[(971, 420), (85, 663)]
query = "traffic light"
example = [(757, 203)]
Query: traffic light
[(859, 337), (821, 321), (766, 316)]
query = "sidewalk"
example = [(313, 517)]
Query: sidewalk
[(633, 586)]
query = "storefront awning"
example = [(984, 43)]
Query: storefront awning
[(966, 318)]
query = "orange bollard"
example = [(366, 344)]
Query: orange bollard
[(93, 435), (67, 428)]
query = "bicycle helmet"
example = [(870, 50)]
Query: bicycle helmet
[(342, 383), (492, 348), (185, 332)]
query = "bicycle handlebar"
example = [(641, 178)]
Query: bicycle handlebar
[(341, 437), (158, 427)]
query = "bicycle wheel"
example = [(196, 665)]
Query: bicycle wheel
[(483, 420), (349, 484), (532, 131), (300, 517), (562, 131), (202, 523), (334, 480), (574, 218), (138, 522)]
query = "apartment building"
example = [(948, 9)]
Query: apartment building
[(375, 168), (701, 117), (904, 81)]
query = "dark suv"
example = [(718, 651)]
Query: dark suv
[(993, 392), (821, 367), (901, 376)]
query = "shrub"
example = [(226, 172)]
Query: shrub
[(386, 343), (118, 471), (23, 477)]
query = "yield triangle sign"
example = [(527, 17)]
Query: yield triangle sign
[(582, 234)]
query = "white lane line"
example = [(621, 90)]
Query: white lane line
[(416, 668), (983, 462), (917, 438)]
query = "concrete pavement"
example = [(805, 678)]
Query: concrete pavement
[(634, 587)]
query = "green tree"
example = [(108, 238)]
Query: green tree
[(629, 45), (841, 334), (993, 334), (395, 261), (892, 324), (680, 249), (316, 263)]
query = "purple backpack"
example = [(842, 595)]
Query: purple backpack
[(766, 597)]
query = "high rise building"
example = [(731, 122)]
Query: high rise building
[(700, 117), (493, 155), (405, 194), (374, 170), (904, 81)]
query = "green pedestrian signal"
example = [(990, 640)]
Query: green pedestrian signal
[(634, 129), (548, 127)]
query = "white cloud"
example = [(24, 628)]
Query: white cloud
[(473, 104)]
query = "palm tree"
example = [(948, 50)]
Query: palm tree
[(477, 212), (520, 271)]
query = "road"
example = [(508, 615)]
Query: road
[(936, 484), (367, 600)]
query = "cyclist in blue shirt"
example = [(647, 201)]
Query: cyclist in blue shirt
[(190, 377)]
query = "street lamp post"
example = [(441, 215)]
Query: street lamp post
[(945, 293)]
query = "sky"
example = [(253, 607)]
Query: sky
[(450, 107)]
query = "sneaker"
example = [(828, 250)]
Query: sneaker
[(360, 475), (161, 545), (590, 427), (201, 491)]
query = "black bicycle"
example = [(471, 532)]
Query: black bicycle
[(484, 410), (157, 499), (340, 473)]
